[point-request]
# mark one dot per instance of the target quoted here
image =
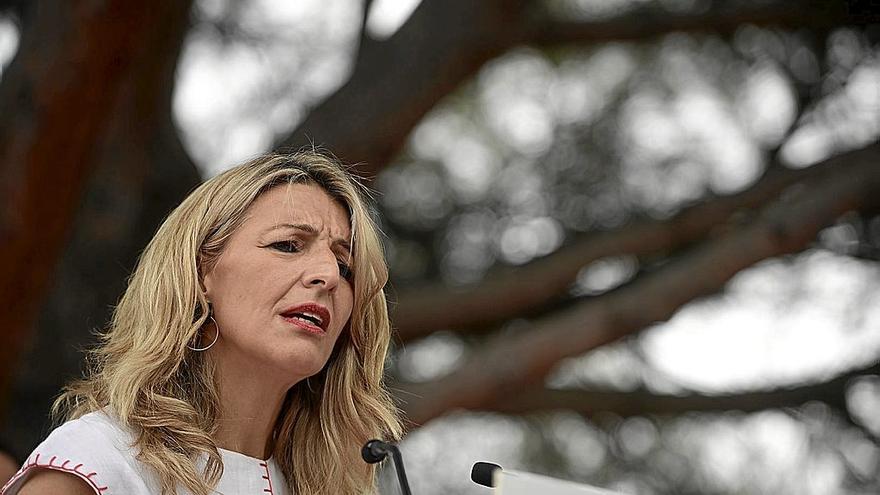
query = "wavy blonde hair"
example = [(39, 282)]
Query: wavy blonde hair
[(145, 374)]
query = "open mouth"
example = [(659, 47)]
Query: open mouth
[(314, 320), (312, 317)]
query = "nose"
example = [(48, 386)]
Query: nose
[(322, 271)]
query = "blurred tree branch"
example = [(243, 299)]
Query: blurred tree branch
[(395, 82), (723, 18), (510, 362), (640, 402), (420, 311)]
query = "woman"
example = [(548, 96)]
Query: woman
[(246, 355)]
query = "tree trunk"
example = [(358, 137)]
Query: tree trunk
[(139, 171)]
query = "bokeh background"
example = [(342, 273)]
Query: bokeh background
[(633, 243)]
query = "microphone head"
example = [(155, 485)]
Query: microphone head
[(374, 451), (482, 472)]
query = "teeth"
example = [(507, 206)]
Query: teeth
[(308, 317), (312, 315)]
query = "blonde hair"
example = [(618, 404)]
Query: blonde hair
[(145, 374)]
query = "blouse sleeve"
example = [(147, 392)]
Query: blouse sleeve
[(85, 448)]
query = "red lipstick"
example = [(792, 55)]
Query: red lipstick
[(311, 317)]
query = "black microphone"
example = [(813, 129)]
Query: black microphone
[(376, 451), (482, 473)]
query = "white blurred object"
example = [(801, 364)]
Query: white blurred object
[(520, 483)]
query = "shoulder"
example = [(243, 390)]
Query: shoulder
[(94, 448), (96, 432), (48, 481)]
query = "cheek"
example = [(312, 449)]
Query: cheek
[(251, 282), (244, 303), (347, 302), (344, 305)]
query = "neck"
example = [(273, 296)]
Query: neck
[(250, 405)]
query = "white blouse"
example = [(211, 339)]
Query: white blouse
[(97, 449)]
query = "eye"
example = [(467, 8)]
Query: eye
[(288, 246), (345, 271)]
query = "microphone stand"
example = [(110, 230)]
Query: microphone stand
[(376, 450)]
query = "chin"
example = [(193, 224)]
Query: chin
[(299, 365)]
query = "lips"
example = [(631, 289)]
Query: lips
[(310, 316)]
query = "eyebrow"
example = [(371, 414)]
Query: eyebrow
[(310, 229)]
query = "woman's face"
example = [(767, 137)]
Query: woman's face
[(280, 290)]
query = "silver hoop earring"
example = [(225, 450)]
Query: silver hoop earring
[(216, 337), (309, 385)]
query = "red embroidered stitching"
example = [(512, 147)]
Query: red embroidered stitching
[(35, 463), (268, 480)]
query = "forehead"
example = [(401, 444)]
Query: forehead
[(300, 203)]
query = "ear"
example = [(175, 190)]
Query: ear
[(206, 282)]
